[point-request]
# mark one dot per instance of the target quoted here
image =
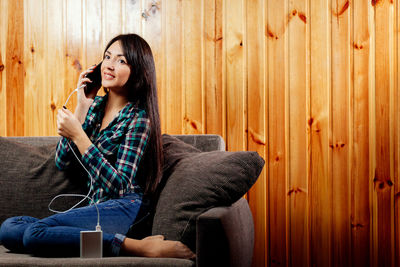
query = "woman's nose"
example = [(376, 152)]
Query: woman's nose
[(110, 66)]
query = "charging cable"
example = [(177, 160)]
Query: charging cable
[(98, 228)]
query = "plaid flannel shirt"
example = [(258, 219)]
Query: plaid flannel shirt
[(113, 157)]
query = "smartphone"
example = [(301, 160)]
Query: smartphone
[(95, 77)]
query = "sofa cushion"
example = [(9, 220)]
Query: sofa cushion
[(29, 180), (197, 181)]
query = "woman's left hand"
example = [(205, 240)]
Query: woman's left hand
[(68, 125)]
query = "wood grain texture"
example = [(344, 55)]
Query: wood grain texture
[(256, 126), (277, 70), (173, 69), (321, 205), (215, 111), (3, 69), (339, 143), (360, 161), (15, 105), (312, 86), (383, 179), (396, 142), (299, 134), (192, 75), (235, 45)]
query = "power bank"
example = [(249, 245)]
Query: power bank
[(91, 244)]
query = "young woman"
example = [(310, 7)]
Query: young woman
[(113, 135)]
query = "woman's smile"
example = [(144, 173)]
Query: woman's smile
[(108, 76)]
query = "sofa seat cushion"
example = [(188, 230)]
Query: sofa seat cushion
[(13, 259), (197, 181)]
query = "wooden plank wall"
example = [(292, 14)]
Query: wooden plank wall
[(312, 86)]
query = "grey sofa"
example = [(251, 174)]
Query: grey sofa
[(224, 234)]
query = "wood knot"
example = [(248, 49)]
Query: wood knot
[(358, 47), (52, 106), (257, 138), (356, 225), (295, 190), (337, 145), (303, 17), (1, 67), (381, 185), (374, 2), (191, 122), (344, 8), (77, 65), (270, 34)]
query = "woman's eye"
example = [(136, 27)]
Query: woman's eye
[(106, 57), (122, 61)]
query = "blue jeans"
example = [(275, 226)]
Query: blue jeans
[(59, 235)]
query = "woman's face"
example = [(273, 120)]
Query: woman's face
[(115, 70)]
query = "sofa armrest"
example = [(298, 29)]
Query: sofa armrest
[(225, 236)]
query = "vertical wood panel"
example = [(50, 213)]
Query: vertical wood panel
[(383, 180), (192, 86), (213, 67), (298, 28), (173, 68), (15, 104), (93, 33), (55, 62), (321, 183), (340, 142), (34, 67), (360, 171), (396, 145), (277, 34), (133, 15), (235, 75), (72, 48), (3, 69), (257, 196), (151, 32), (112, 19)]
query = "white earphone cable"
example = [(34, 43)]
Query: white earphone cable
[(91, 181)]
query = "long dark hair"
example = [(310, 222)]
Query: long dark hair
[(142, 88)]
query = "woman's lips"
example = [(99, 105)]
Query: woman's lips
[(108, 76)]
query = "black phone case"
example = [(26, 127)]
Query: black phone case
[(95, 77)]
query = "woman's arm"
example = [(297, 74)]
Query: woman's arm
[(63, 155), (117, 180)]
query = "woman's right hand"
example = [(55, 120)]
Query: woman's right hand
[(84, 99)]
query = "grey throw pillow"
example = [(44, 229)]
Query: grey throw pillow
[(198, 181)]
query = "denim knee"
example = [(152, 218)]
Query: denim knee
[(10, 238), (31, 238)]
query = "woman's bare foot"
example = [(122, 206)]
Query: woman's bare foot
[(156, 247)]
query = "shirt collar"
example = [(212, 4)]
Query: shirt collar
[(126, 112)]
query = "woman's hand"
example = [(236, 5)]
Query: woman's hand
[(68, 125), (84, 99)]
